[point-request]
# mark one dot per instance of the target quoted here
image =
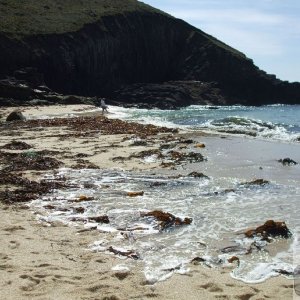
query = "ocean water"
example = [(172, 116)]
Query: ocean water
[(277, 122), (221, 206)]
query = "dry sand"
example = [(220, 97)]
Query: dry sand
[(38, 261)]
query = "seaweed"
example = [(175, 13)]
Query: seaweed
[(270, 229), (166, 220), (16, 145), (24, 189)]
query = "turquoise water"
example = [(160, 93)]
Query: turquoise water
[(278, 122)]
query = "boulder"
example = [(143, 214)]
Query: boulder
[(16, 115)]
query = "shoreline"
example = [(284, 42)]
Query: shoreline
[(37, 270)]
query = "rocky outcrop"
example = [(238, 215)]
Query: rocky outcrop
[(14, 92), (15, 116), (170, 95), (138, 55)]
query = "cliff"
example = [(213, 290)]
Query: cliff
[(126, 51)]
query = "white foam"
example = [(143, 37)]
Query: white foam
[(260, 273), (120, 268), (215, 217)]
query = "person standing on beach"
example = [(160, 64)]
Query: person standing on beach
[(103, 106)]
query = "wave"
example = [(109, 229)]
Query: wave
[(276, 122), (252, 127), (220, 217)]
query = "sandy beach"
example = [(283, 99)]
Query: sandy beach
[(42, 260)]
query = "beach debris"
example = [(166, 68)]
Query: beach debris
[(157, 183), (16, 145), (16, 115), (49, 206), (18, 180), (96, 124), (199, 146), (80, 155), (256, 182), (285, 272), (233, 259), (287, 161), (270, 229), (84, 164), (17, 196), (23, 190), (197, 260), (99, 219), (29, 160), (197, 175), (91, 228), (82, 198), (236, 249), (187, 141), (137, 228), (176, 268), (135, 194), (79, 210), (223, 192), (167, 146), (139, 143), (128, 253), (166, 219), (167, 165), (190, 157), (120, 158), (208, 261), (130, 235), (146, 153)]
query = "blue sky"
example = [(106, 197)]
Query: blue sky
[(267, 31)]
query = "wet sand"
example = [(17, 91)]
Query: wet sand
[(52, 261)]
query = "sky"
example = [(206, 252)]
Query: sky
[(267, 31)]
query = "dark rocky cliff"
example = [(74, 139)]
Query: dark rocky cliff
[(134, 55)]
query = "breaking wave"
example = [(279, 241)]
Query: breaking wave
[(275, 122)]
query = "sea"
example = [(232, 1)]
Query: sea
[(242, 144)]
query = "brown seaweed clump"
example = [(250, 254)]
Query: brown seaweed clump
[(129, 253), (97, 124), (287, 161), (99, 219), (23, 189), (191, 157), (197, 175), (270, 229), (16, 145), (255, 182), (135, 194), (166, 219), (29, 160)]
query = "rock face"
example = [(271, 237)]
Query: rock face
[(15, 116), (129, 52)]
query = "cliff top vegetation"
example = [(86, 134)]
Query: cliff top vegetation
[(21, 18)]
